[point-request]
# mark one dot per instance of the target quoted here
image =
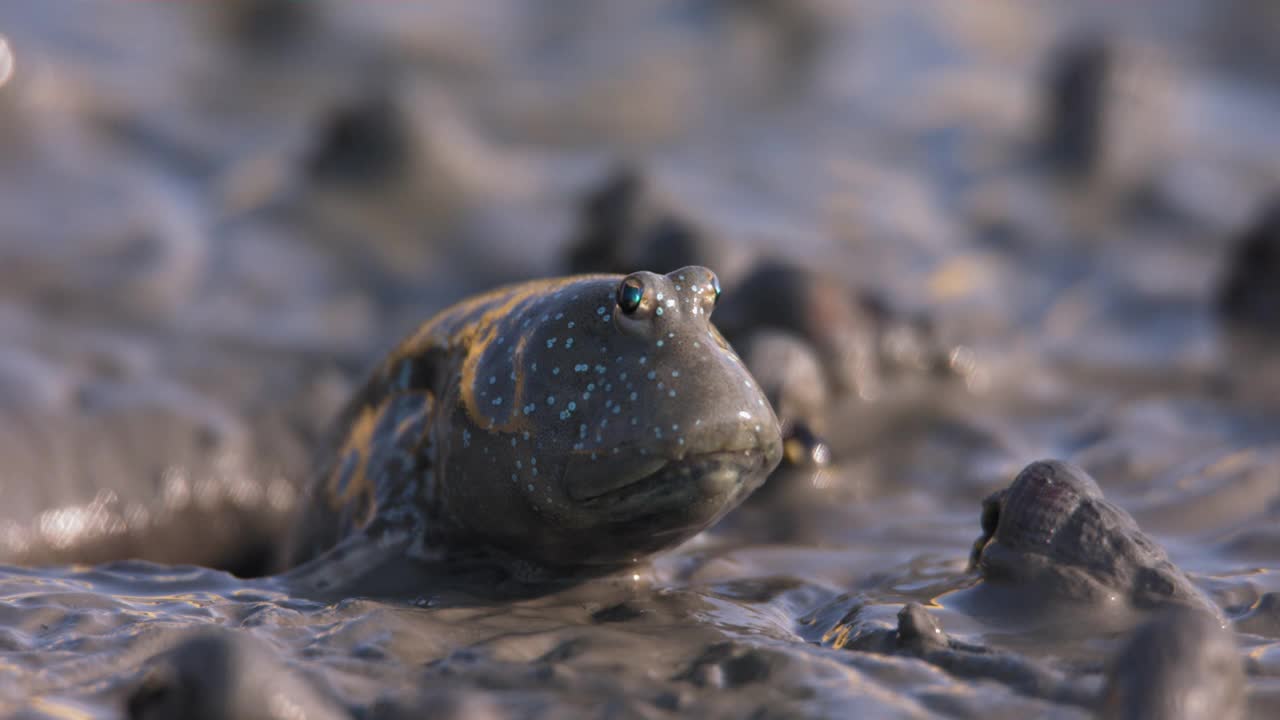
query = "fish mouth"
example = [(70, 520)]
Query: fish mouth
[(627, 484)]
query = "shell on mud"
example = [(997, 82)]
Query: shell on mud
[(1029, 514), (1052, 523)]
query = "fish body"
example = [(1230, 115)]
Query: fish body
[(575, 424)]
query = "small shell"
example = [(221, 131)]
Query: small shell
[(1042, 499), (1028, 514), (1055, 511)]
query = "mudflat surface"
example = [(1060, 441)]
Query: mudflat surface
[(195, 268)]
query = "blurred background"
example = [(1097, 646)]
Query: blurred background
[(1053, 226)]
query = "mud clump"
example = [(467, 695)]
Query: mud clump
[(1180, 664), (1074, 105), (626, 224), (220, 675), (363, 141), (919, 635), (1249, 295)]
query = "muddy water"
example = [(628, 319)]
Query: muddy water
[(213, 219)]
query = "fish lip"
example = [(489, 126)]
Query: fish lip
[(745, 458), (640, 468)]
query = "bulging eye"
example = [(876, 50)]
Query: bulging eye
[(630, 294), (715, 287)]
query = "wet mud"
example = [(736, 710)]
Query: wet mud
[(1007, 274)]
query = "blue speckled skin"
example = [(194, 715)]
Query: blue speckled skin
[(544, 423)]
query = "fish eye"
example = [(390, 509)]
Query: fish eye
[(630, 293), (715, 286)]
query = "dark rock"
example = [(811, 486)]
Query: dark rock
[(818, 309), (1074, 99), (1249, 294), (265, 25), (363, 141), (1108, 121), (625, 225)]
